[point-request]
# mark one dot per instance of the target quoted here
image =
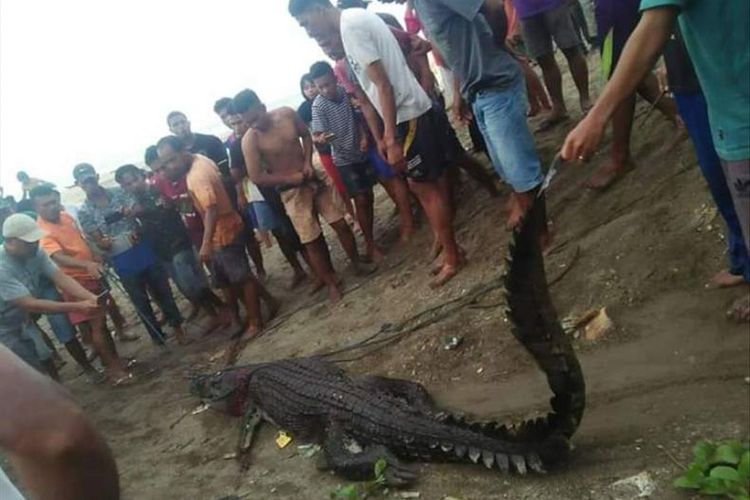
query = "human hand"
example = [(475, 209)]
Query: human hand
[(308, 172), (583, 141), (95, 269), (461, 110), (394, 155), (105, 243), (88, 307), (205, 252), (661, 77), (364, 144)]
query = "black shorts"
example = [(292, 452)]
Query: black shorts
[(229, 266), (358, 178), (426, 145)]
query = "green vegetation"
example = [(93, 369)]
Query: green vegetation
[(721, 469), (364, 490)]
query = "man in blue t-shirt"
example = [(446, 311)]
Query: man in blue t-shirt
[(717, 35)]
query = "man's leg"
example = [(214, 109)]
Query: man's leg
[(317, 253), (253, 249), (105, 349), (649, 90), (694, 113), (476, 171), (398, 191), (364, 203), (433, 199), (738, 179), (135, 287), (622, 124), (290, 254), (157, 281), (580, 71), (501, 117), (553, 82)]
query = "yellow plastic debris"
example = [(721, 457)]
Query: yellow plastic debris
[(283, 439)]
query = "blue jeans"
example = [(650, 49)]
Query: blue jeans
[(501, 117), (152, 279), (694, 113), (60, 323), (21, 344)]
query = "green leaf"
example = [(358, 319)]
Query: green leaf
[(725, 454), (687, 483), (714, 486), (380, 467), (744, 467), (724, 472), (702, 452), (349, 492)]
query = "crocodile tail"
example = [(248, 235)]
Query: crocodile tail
[(536, 325)]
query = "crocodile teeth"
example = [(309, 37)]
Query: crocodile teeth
[(535, 463), (502, 462), (488, 458), (474, 454), (519, 464), (460, 451), (446, 447)]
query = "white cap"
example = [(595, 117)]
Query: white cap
[(23, 227)]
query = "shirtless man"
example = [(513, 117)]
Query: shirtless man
[(278, 153)]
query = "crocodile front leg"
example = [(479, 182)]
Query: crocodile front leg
[(250, 423), (361, 466)]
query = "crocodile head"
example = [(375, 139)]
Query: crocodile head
[(225, 390)]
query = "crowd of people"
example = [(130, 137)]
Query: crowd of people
[(204, 209)]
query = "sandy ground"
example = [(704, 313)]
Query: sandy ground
[(671, 372)]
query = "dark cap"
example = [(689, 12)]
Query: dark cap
[(83, 171)]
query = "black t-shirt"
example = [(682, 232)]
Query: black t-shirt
[(162, 225), (212, 147), (680, 71)]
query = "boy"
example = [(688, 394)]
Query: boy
[(334, 123), (274, 141)]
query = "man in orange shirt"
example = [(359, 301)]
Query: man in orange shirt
[(65, 245), (223, 247)]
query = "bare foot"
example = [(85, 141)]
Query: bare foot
[(363, 268), (298, 279), (181, 336), (607, 175), (521, 204), (334, 292), (585, 105), (740, 310), (680, 134), (375, 254), (318, 285), (436, 250), (217, 323), (444, 276), (406, 235), (725, 279), (553, 120), (462, 260)]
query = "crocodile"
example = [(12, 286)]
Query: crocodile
[(359, 420)]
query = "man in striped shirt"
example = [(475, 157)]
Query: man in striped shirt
[(334, 123)]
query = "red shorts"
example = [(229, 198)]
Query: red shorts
[(93, 286)]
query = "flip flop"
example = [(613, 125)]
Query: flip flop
[(124, 381)]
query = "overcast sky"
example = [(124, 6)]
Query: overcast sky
[(92, 80)]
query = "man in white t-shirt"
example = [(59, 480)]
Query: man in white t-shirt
[(414, 136)]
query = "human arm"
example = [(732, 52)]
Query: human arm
[(209, 227), (638, 57), (461, 109), (494, 12), (371, 118), (70, 286), (307, 145), (95, 269), (394, 152), (54, 448), (364, 144)]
